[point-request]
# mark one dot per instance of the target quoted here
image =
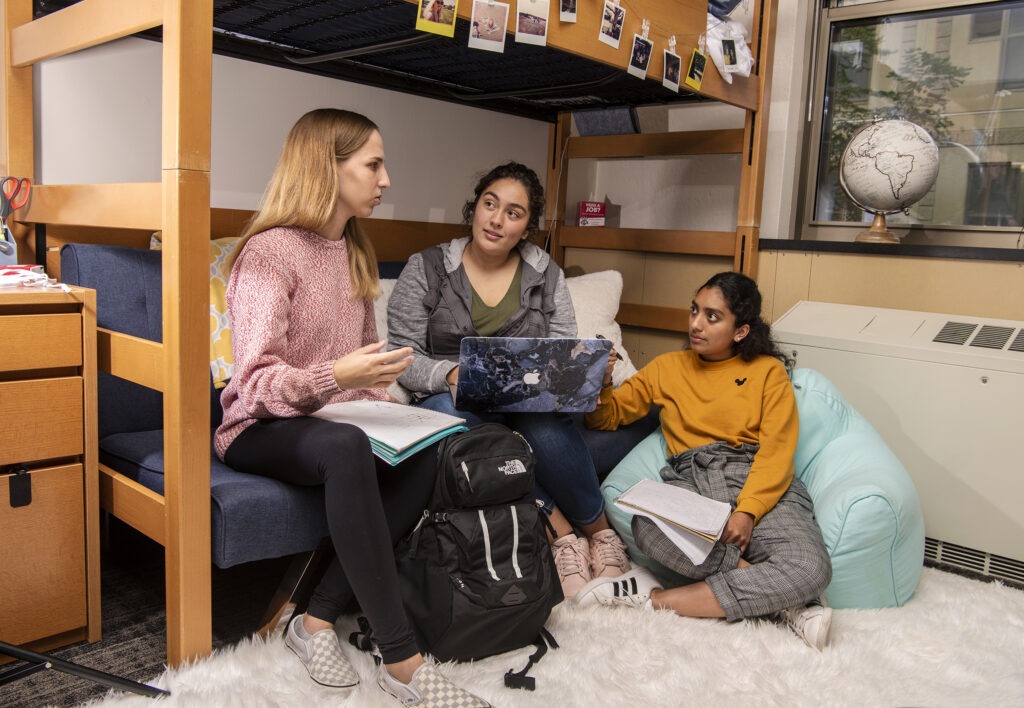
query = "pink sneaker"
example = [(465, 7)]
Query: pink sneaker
[(607, 555), (572, 559)]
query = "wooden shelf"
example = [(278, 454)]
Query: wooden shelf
[(697, 142), (704, 243), (669, 319)]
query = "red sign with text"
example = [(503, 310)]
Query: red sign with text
[(591, 213)]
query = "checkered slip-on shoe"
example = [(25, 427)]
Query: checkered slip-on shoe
[(322, 656), (429, 688)]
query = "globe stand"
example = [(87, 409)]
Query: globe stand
[(878, 233)]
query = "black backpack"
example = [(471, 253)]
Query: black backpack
[(477, 574)]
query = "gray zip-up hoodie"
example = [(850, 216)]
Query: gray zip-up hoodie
[(432, 314)]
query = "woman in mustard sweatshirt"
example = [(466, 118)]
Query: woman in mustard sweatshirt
[(729, 418)]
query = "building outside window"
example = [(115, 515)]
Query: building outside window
[(957, 70)]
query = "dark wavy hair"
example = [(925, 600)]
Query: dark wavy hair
[(744, 300), (521, 174)]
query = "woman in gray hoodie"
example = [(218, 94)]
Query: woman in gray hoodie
[(496, 282)]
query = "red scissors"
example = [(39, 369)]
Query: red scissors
[(14, 193)]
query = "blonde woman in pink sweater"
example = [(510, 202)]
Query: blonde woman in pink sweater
[(300, 295)]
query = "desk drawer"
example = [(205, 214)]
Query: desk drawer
[(41, 341), (42, 556), (43, 419)]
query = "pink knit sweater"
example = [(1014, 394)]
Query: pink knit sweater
[(292, 316)]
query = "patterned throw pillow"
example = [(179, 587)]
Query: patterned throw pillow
[(222, 363)]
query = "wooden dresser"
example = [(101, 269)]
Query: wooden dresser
[(49, 546)]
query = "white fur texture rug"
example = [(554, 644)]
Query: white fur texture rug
[(958, 642)]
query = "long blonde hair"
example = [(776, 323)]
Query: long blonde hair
[(303, 191)]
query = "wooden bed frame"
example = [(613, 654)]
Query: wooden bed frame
[(179, 206)]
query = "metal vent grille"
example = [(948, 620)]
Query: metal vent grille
[(1006, 568), (992, 337), (955, 333), (1017, 345), (987, 564)]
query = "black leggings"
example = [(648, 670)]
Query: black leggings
[(370, 506)]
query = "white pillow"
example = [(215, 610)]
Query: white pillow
[(380, 307), (380, 314), (595, 298)]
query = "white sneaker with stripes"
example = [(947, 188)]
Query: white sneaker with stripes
[(810, 622), (632, 589)]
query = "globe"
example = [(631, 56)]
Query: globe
[(887, 166)]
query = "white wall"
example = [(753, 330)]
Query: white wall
[(787, 118), (98, 120)]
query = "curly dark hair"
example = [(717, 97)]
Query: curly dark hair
[(744, 301), (521, 174)]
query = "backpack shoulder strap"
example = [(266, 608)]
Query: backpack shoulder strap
[(520, 679)]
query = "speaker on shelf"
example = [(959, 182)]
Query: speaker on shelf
[(615, 120)]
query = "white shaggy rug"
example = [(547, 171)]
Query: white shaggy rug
[(958, 642)]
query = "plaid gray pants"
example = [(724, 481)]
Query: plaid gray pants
[(789, 561)]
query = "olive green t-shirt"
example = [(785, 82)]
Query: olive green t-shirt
[(488, 320)]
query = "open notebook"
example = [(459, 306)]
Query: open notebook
[(526, 374), (396, 431)]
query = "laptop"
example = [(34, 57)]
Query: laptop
[(530, 374)]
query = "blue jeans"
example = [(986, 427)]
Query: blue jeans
[(565, 471)]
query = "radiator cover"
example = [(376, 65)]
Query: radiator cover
[(946, 392)]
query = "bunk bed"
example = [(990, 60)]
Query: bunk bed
[(571, 72)]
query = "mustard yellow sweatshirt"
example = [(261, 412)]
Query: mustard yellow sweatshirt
[(702, 402)]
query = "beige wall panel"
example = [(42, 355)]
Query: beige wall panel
[(645, 344), (670, 281), (978, 288), (631, 342), (792, 282), (630, 265), (766, 264)]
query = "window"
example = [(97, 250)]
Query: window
[(955, 69), (986, 25)]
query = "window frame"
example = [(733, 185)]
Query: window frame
[(809, 230)]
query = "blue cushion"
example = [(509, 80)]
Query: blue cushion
[(608, 447), (864, 501), (390, 269), (128, 299), (251, 517)]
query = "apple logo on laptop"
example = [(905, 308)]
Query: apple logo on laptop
[(531, 378)]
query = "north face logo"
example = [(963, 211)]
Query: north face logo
[(512, 467)]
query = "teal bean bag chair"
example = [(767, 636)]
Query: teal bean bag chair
[(864, 501)]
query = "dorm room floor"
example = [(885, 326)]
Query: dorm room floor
[(133, 644), (134, 634)]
